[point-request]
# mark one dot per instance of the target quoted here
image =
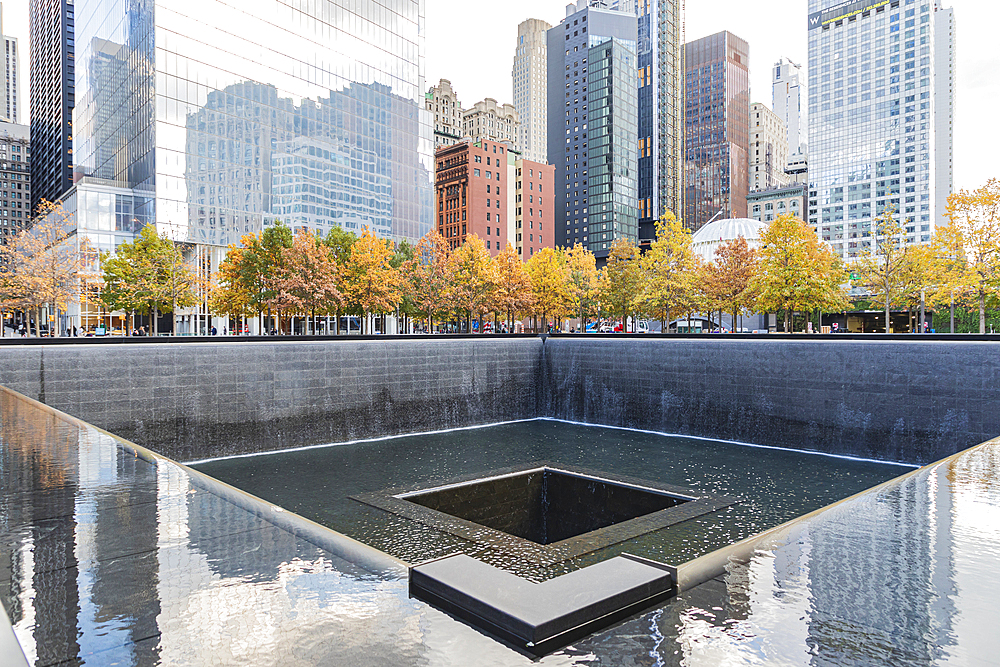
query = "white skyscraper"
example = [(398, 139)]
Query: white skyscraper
[(10, 103), (881, 107), (788, 91), (530, 85)]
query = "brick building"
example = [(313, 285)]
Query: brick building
[(471, 187), (535, 212)]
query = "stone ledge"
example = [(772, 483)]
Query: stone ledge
[(539, 618)]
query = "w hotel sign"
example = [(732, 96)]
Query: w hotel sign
[(844, 10)]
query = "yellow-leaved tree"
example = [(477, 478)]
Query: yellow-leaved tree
[(887, 269), (549, 284), (796, 271), (370, 281), (512, 295), (583, 283), (668, 271), (975, 217), (427, 274), (621, 280), (470, 268)]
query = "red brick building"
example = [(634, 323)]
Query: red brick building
[(535, 207), (471, 187)]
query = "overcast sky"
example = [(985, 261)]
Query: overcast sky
[(472, 44)]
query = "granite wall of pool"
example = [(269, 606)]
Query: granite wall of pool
[(192, 400), (915, 400)]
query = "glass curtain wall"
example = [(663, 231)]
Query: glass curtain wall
[(232, 116)]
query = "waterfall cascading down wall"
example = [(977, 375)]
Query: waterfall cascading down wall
[(914, 401)]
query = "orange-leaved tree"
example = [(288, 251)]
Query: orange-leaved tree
[(309, 278), (512, 293), (427, 275)]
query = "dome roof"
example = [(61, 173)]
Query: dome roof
[(711, 236)]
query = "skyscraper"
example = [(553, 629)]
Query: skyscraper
[(768, 149), (612, 156), (10, 96), (228, 120), (787, 91), (880, 117), (529, 78), (661, 108), (717, 106), (52, 78), (571, 82)]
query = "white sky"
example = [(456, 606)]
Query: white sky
[(472, 44)]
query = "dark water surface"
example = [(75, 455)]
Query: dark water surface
[(772, 485)]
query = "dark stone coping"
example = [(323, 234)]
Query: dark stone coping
[(542, 617), (394, 500)]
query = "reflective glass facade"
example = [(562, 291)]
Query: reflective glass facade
[(880, 108), (51, 25), (225, 117), (568, 92), (717, 140), (612, 158), (661, 104)]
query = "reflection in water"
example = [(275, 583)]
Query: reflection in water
[(107, 558)]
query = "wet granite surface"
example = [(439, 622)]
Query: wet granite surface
[(191, 401), (109, 558), (913, 399)]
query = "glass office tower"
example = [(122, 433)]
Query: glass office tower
[(717, 140), (612, 157), (223, 118), (881, 109), (585, 26)]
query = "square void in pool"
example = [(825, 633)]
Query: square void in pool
[(545, 505), (547, 513)]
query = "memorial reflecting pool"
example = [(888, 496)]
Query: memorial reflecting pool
[(351, 487)]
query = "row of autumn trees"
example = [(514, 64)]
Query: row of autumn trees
[(959, 267), (280, 274), (791, 271)]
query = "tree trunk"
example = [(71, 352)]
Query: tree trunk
[(156, 331), (953, 312), (982, 312)]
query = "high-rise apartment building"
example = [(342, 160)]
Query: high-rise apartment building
[(529, 77), (15, 179), (489, 121), (661, 111), (303, 117), (442, 101), (787, 96), (768, 148), (10, 96), (717, 105), (612, 155), (881, 107), (572, 148), (52, 97)]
